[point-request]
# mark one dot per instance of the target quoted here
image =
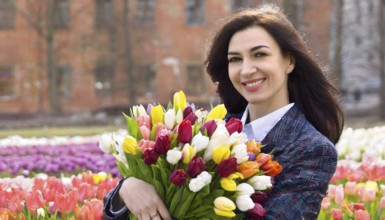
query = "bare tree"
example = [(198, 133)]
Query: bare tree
[(337, 61), (381, 50)]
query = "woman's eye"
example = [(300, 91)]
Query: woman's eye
[(234, 59), (260, 54)]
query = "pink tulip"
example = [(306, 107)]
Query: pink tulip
[(143, 144), (178, 177), (144, 120), (362, 215), (339, 194), (35, 200), (368, 195), (350, 188), (336, 214), (86, 191), (145, 131), (381, 205), (66, 202), (325, 202), (356, 206), (185, 132)]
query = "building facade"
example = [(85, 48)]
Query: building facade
[(104, 51)]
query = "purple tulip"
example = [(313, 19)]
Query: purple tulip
[(259, 197), (178, 177), (195, 167), (210, 126), (257, 212)]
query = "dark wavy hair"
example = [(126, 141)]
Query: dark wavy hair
[(308, 86)]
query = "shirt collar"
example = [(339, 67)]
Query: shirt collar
[(262, 126)]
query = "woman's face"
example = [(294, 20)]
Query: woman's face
[(257, 68)]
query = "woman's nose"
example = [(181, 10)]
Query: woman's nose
[(248, 67)]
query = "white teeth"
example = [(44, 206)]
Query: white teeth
[(254, 83)]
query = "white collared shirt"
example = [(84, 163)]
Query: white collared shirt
[(262, 126)]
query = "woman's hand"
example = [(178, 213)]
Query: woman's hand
[(142, 200)]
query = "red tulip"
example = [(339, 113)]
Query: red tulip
[(178, 177), (192, 118), (233, 125), (150, 156), (195, 167), (336, 214), (227, 167), (210, 126), (188, 110), (185, 132), (162, 144), (257, 212), (272, 168)]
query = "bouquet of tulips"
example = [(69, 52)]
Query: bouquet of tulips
[(201, 166)]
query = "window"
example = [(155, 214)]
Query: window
[(62, 16), (7, 14), (7, 81), (147, 81), (64, 80), (104, 75), (194, 12), (238, 4), (194, 83), (145, 12), (104, 12)]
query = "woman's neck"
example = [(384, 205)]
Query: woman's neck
[(259, 110)]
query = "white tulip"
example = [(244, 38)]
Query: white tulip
[(173, 156), (201, 114), (240, 152), (138, 110), (245, 189), (169, 119), (237, 138), (179, 116), (106, 142), (260, 182), (244, 203), (200, 142), (197, 183)]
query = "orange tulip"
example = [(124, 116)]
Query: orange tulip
[(248, 168), (253, 147), (272, 168), (263, 158)]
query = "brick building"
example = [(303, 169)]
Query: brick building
[(167, 41)]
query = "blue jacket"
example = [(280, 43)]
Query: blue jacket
[(308, 160)]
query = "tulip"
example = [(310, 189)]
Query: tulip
[(150, 156), (191, 117), (257, 212), (209, 126), (145, 131), (248, 168), (339, 194), (161, 128), (143, 144), (272, 168), (86, 191), (227, 167), (381, 205), (138, 110), (187, 111), (221, 153), (237, 138), (239, 151), (169, 119), (245, 189), (202, 180), (336, 214), (195, 167), (130, 145), (144, 120), (356, 206), (362, 215), (173, 156), (106, 143), (178, 177), (180, 102), (259, 197), (201, 114), (224, 207), (228, 184), (244, 203), (218, 112), (260, 182), (263, 158), (35, 200), (253, 146), (179, 117), (234, 125), (162, 144), (156, 115), (188, 153), (66, 203), (185, 132), (200, 142)]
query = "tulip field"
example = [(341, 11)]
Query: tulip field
[(67, 177)]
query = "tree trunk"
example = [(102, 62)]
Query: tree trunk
[(381, 49), (51, 59), (130, 70), (337, 61), (290, 8)]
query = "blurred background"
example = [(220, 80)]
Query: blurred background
[(67, 63)]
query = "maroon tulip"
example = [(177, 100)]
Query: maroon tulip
[(227, 167), (150, 156), (178, 177), (185, 132), (162, 143), (188, 110), (257, 212), (192, 118), (259, 197), (233, 125), (210, 126), (195, 167)]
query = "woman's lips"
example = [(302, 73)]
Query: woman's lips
[(253, 85)]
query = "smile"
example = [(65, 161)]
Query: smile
[(253, 85)]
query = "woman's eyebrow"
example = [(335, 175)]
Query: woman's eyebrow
[(251, 50)]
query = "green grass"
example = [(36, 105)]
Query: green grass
[(58, 131)]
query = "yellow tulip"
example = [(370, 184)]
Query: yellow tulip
[(218, 112), (130, 145), (99, 177), (228, 184), (156, 115), (371, 185), (188, 153), (221, 153), (180, 101), (224, 207)]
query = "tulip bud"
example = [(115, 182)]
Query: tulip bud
[(195, 167), (187, 111), (192, 118), (224, 207), (245, 189), (227, 167), (185, 132), (257, 212), (218, 112), (150, 156), (234, 125), (178, 177), (259, 197), (162, 144), (200, 142), (221, 153), (239, 151), (129, 145), (263, 158), (169, 119), (180, 101), (156, 114), (209, 126), (173, 156), (188, 153), (244, 203), (272, 168)]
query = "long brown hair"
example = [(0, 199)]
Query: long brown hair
[(308, 86)]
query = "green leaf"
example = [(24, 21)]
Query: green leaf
[(160, 189), (132, 127), (175, 201), (183, 207), (199, 197), (209, 200)]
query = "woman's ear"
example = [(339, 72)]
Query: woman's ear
[(291, 64)]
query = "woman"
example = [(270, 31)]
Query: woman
[(267, 77)]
